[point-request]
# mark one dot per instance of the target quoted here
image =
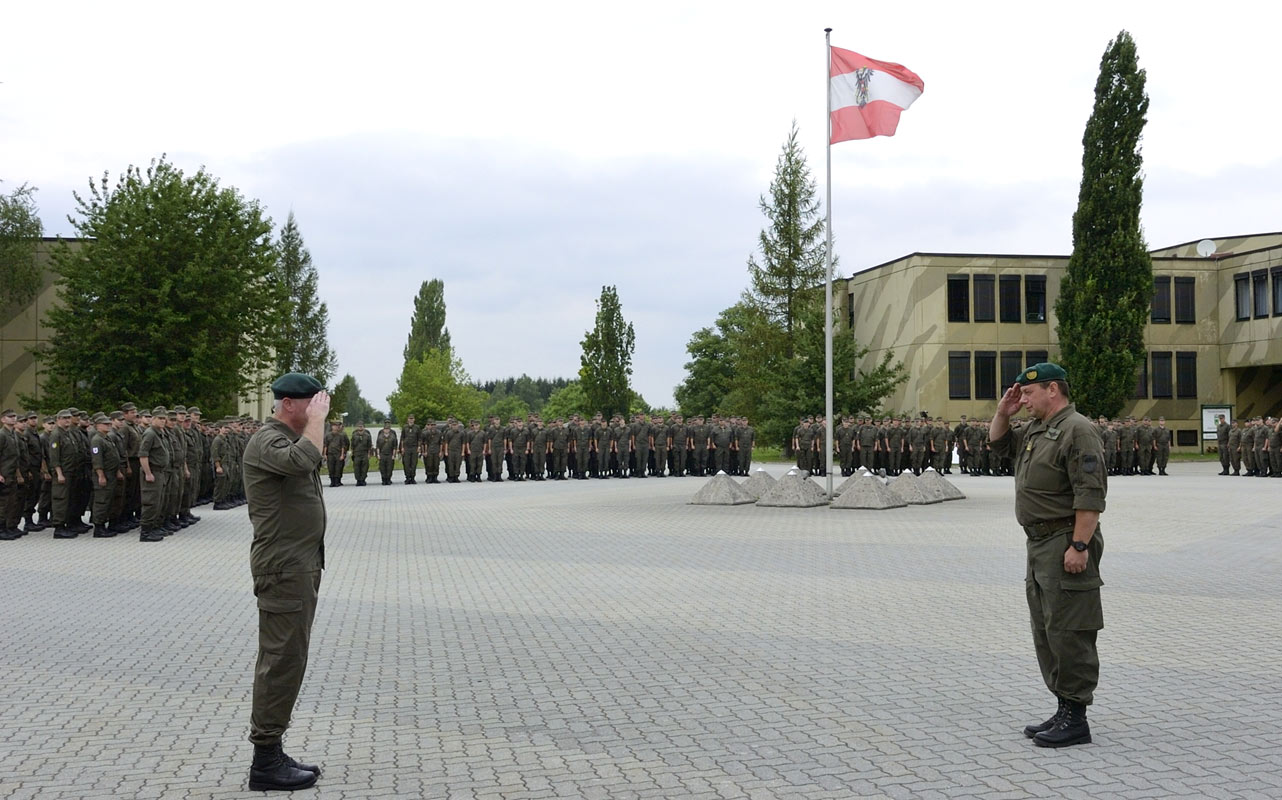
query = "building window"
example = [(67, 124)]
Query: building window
[(1242, 295), (958, 375), (1008, 294), (1277, 291), (850, 315), (1161, 374), (959, 298), (1012, 365), (1186, 374), (1260, 279), (1185, 292), (1186, 437), (1141, 379), (984, 302), (1161, 307), (985, 375), (1035, 298), (1036, 357)]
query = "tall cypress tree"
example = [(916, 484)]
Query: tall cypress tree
[(606, 362), (304, 326), (1105, 295), (427, 326)]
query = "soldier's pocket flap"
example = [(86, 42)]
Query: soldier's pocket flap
[(280, 605), (1080, 582)]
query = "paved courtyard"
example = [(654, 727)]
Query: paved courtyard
[(602, 639)]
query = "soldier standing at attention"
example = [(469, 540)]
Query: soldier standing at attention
[(336, 447), (409, 449), (153, 458), (13, 484), (282, 484), (433, 432), (107, 469), (679, 440), (453, 445), (1222, 442), (1162, 445), (220, 452), (1060, 487), (361, 445), (385, 452)]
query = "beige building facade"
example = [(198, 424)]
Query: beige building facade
[(965, 325), (23, 333)]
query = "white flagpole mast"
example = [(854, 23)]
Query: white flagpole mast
[(828, 432)]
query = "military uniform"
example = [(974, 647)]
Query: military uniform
[(155, 451), (108, 468), (361, 445), (337, 443), (386, 450), (454, 436), (1060, 470), (431, 447), (1222, 445), (409, 451)]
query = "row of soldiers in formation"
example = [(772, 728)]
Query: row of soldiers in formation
[(894, 444), (531, 449), (130, 469), (1253, 445)]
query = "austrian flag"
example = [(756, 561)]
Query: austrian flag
[(867, 95)]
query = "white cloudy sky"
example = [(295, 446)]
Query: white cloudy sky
[(527, 154)]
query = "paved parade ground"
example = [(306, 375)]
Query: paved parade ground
[(602, 639)]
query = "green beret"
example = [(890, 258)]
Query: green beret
[(160, 411), (1040, 373), (295, 385)]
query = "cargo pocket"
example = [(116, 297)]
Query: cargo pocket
[(1077, 604)]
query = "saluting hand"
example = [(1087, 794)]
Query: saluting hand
[(318, 408), (1008, 406)]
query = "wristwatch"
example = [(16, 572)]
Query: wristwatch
[(1080, 546)]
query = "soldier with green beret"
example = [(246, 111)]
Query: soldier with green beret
[(287, 511), (1061, 480)]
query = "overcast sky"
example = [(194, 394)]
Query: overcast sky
[(527, 154)]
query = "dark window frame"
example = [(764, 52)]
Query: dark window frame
[(1186, 437), (1276, 274), (1242, 295), (1260, 293), (958, 307), (1005, 375), (986, 375), (1163, 374), (958, 360), (1186, 374), (984, 297), (1185, 312), (1141, 379), (1160, 305), (1009, 300), (1035, 290)]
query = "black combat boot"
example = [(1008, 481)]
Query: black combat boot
[(191, 518), (31, 525), (1071, 729), (150, 536), (273, 770), (8, 534), (119, 526), (63, 532), (1032, 730), (101, 532), (43, 522)]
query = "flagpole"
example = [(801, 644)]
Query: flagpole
[(828, 432)]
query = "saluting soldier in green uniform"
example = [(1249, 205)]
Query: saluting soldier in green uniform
[(287, 510), (385, 452), (1060, 487), (361, 444)]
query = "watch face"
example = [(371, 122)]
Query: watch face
[(1079, 546)]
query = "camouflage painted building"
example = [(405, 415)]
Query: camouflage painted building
[(23, 332), (965, 325)]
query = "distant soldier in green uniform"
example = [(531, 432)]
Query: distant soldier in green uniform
[(287, 510), (1060, 489), (895, 437), (409, 449), (13, 483), (474, 453), (220, 452), (108, 471), (679, 436), (432, 454), (154, 456), (385, 451), (940, 448), (1161, 445), (1145, 446), (38, 473), (1235, 446), (1126, 449), (1222, 429), (337, 444), (454, 438), (361, 445), (1275, 447), (643, 444)]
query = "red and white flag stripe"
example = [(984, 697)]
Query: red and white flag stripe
[(867, 95)]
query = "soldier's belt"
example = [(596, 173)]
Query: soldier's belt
[(1039, 530)]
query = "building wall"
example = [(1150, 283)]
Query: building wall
[(902, 307)]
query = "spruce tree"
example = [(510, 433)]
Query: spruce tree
[(606, 362), (427, 326), (1105, 294), (303, 330), (792, 247)]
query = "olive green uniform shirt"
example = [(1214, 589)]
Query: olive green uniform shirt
[(283, 487), (1059, 467)]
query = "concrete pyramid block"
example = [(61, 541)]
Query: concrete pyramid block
[(909, 488), (721, 490), (847, 483), (867, 491), (941, 485), (758, 484), (794, 490)]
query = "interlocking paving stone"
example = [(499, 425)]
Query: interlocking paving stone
[(605, 639)]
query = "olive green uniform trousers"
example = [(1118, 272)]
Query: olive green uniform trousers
[(1066, 612), (286, 609)]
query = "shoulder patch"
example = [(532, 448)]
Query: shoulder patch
[(1090, 463), (95, 450)]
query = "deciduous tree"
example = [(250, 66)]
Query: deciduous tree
[(20, 232)]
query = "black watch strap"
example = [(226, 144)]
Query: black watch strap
[(1080, 546)]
